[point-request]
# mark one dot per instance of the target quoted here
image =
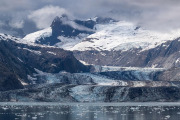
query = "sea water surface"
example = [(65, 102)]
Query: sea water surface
[(90, 111)]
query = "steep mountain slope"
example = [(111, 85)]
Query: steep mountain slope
[(20, 61), (165, 55)]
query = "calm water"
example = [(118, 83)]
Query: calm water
[(90, 111)]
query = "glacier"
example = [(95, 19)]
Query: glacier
[(103, 86)]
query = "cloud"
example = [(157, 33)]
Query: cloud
[(13, 5), (153, 14), (43, 17), (161, 15), (17, 24)]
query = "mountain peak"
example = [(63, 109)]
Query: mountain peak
[(56, 20), (59, 20)]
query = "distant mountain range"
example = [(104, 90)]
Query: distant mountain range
[(94, 60)]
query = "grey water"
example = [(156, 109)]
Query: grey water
[(89, 111)]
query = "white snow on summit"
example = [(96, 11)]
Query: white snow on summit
[(112, 36), (124, 36), (66, 42)]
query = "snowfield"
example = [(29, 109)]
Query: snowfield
[(124, 36)]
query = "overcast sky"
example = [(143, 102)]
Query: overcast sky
[(153, 14)]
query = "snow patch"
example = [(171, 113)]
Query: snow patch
[(178, 60), (33, 37), (19, 59), (83, 62), (22, 82), (51, 52), (8, 37), (34, 51)]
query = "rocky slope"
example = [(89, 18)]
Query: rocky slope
[(165, 55), (20, 61)]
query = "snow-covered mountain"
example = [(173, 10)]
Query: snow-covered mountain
[(63, 33), (94, 34), (104, 41), (123, 36)]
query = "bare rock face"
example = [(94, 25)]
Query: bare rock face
[(9, 80)]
